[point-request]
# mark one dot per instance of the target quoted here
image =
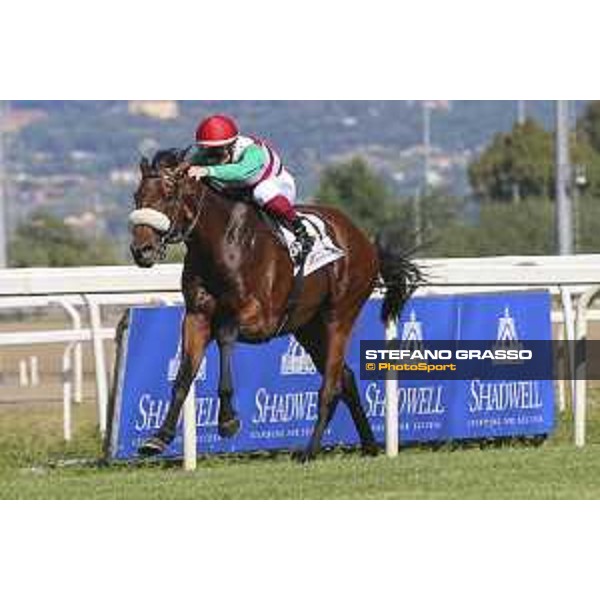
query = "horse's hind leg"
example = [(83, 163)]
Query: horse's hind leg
[(229, 424), (196, 334), (313, 338), (336, 339)]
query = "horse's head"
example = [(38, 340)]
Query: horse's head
[(160, 213)]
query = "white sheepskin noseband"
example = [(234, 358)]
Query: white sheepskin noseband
[(151, 218)]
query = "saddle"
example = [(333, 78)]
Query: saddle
[(275, 225)]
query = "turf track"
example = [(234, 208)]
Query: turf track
[(35, 463)]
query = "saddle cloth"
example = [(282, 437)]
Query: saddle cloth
[(324, 250)]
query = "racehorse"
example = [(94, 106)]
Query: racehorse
[(237, 282)]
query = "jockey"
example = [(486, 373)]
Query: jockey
[(235, 162)]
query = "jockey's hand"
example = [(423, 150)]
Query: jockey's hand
[(183, 168), (198, 173)]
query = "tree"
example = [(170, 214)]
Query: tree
[(588, 125), (45, 241), (498, 229), (509, 229), (439, 217), (355, 188), (519, 164), (588, 225), (360, 192)]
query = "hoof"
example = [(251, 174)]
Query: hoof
[(230, 428), (303, 457), (370, 450), (152, 447)]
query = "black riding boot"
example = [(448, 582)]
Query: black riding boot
[(306, 242)]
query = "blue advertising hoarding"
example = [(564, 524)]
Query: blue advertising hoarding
[(277, 386)]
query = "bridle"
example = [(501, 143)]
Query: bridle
[(172, 235)]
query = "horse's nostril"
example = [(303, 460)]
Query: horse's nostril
[(143, 249), (143, 252)]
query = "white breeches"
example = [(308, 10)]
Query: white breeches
[(279, 185)]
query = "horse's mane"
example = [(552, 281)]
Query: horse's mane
[(167, 159)]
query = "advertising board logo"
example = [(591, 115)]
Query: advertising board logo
[(412, 330), (507, 337), (296, 361), (175, 362), (412, 334)]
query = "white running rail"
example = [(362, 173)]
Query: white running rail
[(574, 282)]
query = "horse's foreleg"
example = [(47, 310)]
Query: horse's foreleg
[(196, 334), (229, 424)]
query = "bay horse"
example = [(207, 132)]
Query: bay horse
[(236, 282)]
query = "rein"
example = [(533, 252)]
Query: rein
[(172, 237)]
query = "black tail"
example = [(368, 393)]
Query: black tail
[(400, 275)]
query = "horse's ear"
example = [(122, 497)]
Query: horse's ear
[(145, 167), (183, 153)]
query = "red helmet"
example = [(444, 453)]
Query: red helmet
[(216, 131)]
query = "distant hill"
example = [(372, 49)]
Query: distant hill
[(308, 132), (76, 156)]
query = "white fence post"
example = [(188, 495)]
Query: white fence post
[(76, 348), (392, 440), (190, 450), (100, 362), (34, 371), (580, 403), (570, 337), (67, 390), (561, 384), (23, 375)]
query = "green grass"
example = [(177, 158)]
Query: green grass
[(30, 447)]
